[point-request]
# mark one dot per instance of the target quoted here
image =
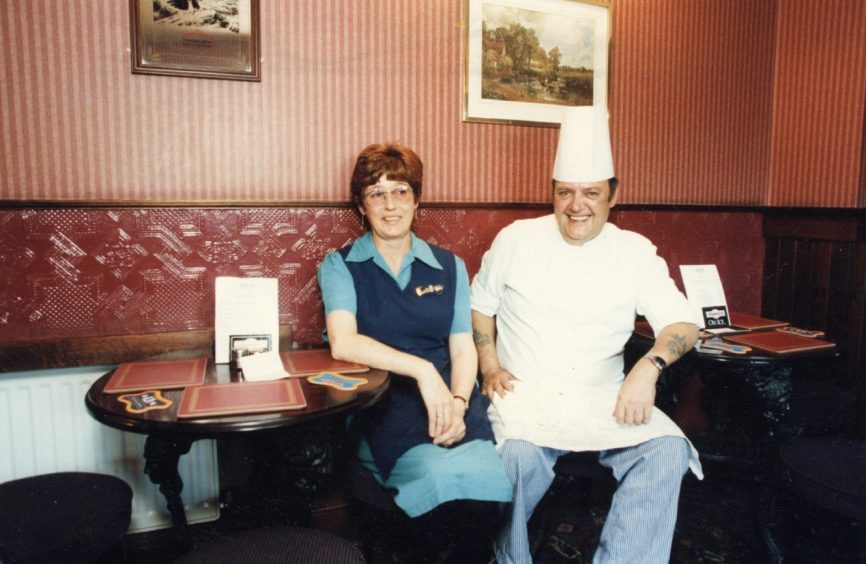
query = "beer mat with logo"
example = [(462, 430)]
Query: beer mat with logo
[(337, 381), (719, 345), (803, 332), (145, 401)]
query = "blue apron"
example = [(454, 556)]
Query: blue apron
[(417, 321)]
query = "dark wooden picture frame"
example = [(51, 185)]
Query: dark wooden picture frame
[(196, 38)]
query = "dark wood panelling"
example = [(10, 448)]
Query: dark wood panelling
[(840, 226), (857, 320), (815, 277), (839, 294)]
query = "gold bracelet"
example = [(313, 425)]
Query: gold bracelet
[(464, 400)]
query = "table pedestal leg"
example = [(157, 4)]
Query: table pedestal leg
[(161, 456), (291, 467)]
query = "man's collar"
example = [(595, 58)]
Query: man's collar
[(602, 235)]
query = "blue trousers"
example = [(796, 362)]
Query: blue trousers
[(640, 524)]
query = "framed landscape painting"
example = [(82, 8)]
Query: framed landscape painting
[(197, 38), (526, 59)]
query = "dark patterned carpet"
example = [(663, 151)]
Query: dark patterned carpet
[(717, 523), (720, 521)]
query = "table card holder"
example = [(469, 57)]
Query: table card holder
[(707, 297), (244, 308), (262, 367)]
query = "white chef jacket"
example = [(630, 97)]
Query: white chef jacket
[(563, 315)]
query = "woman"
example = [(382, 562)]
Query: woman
[(394, 302)]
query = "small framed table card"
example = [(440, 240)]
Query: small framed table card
[(245, 308), (707, 296)]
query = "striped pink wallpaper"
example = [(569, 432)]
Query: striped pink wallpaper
[(820, 85), (691, 100), (337, 75)]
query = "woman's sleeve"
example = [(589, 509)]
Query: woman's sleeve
[(338, 288), (462, 322)]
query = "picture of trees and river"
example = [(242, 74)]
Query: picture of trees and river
[(530, 56)]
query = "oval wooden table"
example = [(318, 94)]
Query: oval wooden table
[(745, 396), (169, 437)]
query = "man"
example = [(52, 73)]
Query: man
[(553, 306)]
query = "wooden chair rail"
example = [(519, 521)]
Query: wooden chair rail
[(95, 351)]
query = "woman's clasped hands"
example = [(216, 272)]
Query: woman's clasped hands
[(444, 412)]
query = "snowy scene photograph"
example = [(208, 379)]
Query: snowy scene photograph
[(217, 14), (196, 38)]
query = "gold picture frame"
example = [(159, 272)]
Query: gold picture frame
[(524, 60), (196, 38)]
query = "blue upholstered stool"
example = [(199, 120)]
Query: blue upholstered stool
[(68, 517)]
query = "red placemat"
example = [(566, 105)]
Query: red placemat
[(239, 398), (156, 375), (313, 361), (778, 342), (745, 321)]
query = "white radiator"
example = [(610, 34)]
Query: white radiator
[(45, 427)]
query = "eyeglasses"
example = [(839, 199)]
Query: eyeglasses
[(400, 195)]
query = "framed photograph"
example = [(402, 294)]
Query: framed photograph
[(526, 59), (197, 38)]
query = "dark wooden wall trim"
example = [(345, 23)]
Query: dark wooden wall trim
[(241, 204), (253, 204), (841, 225), (109, 350), (815, 277)]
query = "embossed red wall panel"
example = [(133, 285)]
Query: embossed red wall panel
[(74, 272)]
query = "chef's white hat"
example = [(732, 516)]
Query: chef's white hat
[(583, 153)]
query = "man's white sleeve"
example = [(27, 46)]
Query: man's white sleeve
[(489, 283), (659, 298)]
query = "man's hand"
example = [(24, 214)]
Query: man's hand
[(634, 403), (497, 381), (637, 395)]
